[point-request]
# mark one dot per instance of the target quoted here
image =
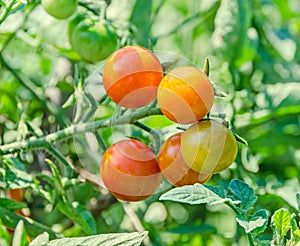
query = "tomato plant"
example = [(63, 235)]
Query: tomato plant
[(92, 41), (131, 76), (60, 9), (173, 167), (185, 95), (208, 147), (130, 171)]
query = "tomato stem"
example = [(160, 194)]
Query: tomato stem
[(206, 67), (76, 129), (239, 213), (155, 135)]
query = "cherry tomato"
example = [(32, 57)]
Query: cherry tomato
[(131, 76), (208, 147), (93, 41), (60, 9), (173, 167), (130, 171), (73, 22), (185, 95), (16, 194)]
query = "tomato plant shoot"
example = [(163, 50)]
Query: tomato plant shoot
[(130, 170), (173, 167), (208, 147), (131, 76), (185, 95)]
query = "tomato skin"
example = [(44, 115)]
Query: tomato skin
[(208, 146), (185, 95), (60, 9), (93, 41), (130, 171), (173, 167), (131, 76)]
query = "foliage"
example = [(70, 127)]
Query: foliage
[(56, 121)]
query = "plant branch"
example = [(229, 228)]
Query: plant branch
[(68, 132), (7, 10), (135, 221), (155, 135)]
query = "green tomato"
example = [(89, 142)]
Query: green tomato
[(94, 42), (60, 9), (208, 147), (74, 21)]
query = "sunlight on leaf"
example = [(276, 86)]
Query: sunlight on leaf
[(193, 194)]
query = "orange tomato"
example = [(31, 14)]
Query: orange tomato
[(173, 167), (185, 95), (131, 76)]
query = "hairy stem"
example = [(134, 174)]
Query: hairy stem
[(249, 235), (69, 132)]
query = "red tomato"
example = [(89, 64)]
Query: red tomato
[(131, 76), (173, 167), (130, 171), (185, 95)]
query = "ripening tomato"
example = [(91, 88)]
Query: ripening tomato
[(92, 41), (185, 95), (60, 9), (130, 170), (131, 76), (208, 147), (173, 167)]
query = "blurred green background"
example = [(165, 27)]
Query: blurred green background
[(254, 52)]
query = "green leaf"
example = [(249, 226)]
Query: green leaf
[(16, 178), (250, 225), (295, 230), (219, 190), (33, 228), (262, 213), (244, 193), (55, 171), (20, 236), (258, 222), (231, 25), (193, 194), (10, 204), (87, 216), (281, 221), (190, 229), (79, 214), (141, 19), (113, 239), (41, 239)]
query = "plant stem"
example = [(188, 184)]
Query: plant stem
[(6, 11), (48, 140), (249, 235), (153, 133)]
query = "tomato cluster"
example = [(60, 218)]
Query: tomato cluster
[(93, 39), (133, 77)]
